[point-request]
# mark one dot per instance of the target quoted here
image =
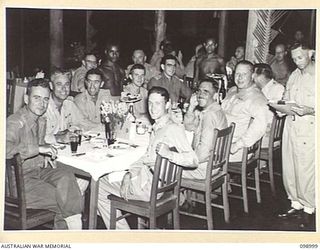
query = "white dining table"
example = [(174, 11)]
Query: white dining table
[(94, 159)]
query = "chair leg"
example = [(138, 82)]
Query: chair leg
[(176, 218), (271, 176), (152, 222), (226, 209), (113, 215), (209, 210), (141, 223), (244, 191), (257, 183)]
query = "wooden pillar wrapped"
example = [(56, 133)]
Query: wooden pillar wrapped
[(223, 29), (56, 38), (160, 27)]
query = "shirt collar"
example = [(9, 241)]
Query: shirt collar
[(161, 123), (268, 85), (213, 106)]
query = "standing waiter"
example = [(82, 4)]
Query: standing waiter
[(299, 138)]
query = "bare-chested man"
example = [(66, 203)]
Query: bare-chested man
[(211, 62)]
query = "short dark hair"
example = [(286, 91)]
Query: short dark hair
[(161, 91), (263, 69), (210, 38), (95, 71), (39, 82), (304, 46), (89, 54), (110, 44), (167, 57), (137, 66), (245, 62), (214, 83)]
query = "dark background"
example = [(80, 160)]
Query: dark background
[(28, 31)]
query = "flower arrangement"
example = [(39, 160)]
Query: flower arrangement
[(114, 112)]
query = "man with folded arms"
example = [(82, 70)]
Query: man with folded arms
[(136, 183), (244, 102), (203, 116), (298, 152), (46, 188)]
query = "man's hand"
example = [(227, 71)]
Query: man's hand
[(62, 136), (234, 148), (48, 150), (126, 186), (164, 150), (193, 102), (302, 110)]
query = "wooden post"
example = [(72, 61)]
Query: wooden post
[(90, 31), (21, 72), (312, 28), (160, 27), (251, 42), (223, 29), (56, 38)]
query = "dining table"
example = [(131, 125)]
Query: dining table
[(96, 159)]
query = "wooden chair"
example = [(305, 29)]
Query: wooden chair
[(166, 181), (219, 159), (11, 89), (249, 164), (274, 147), (17, 216)]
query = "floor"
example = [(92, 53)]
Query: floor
[(262, 217)]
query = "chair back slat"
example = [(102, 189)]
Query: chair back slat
[(219, 157), (276, 131), (166, 177)]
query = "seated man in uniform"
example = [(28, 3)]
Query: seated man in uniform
[(90, 100), (170, 81), (244, 102), (46, 188), (203, 116), (136, 183), (139, 57), (89, 62)]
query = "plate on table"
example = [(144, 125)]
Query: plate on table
[(127, 97), (283, 108)]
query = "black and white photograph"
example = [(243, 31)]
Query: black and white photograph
[(136, 119)]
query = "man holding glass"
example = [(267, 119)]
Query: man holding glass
[(46, 188)]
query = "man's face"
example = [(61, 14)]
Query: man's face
[(210, 46), (37, 101), (137, 76), (90, 62), (280, 52), (243, 76), (93, 83), (298, 35), (301, 57), (61, 87), (157, 106), (239, 54), (258, 79), (205, 94), (169, 68), (139, 57), (113, 53)]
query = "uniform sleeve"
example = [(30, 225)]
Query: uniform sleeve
[(151, 83), (185, 157), (209, 123), (258, 110), (14, 145), (185, 91)]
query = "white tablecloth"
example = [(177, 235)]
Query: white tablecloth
[(99, 160)]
